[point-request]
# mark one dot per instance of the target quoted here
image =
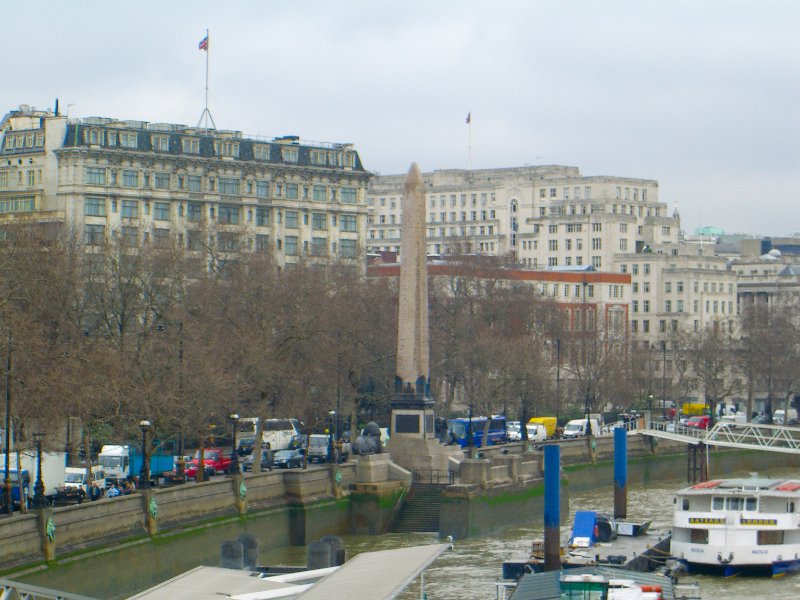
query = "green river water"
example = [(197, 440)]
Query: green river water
[(467, 572)]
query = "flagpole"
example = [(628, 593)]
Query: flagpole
[(205, 46), (208, 51), (469, 141)]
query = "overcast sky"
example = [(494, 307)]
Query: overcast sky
[(702, 96)]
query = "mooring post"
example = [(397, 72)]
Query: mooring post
[(620, 473), (552, 507)]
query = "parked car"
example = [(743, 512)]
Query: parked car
[(288, 459), (513, 431), (760, 420), (298, 441), (214, 461), (699, 421), (266, 461), (245, 445)]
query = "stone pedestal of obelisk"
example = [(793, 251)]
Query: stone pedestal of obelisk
[(413, 444)]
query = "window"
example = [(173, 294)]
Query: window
[(228, 241), (291, 191), (128, 139), (130, 178), (226, 148), (195, 241), (228, 185), (161, 237), (95, 176), (161, 211), (194, 183), (289, 155), (290, 245), (319, 221), (319, 193), (262, 242), (262, 216), (347, 223), (597, 243), (95, 235), (635, 306), (228, 214), (95, 207), (319, 246), (645, 326), (160, 143), (262, 188), (161, 181), (347, 248), (646, 270), (190, 145), (553, 245), (130, 209), (194, 212), (646, 306), (596, 227), (291, 219), (597, 262), (348, 195)]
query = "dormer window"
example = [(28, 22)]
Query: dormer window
[(190, 145), (160, 143), (289, 154)]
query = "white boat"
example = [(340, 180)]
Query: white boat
[(736, 525)]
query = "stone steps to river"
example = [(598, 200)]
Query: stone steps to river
[(420, 510)]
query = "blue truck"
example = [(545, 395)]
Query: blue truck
[(123, 462)]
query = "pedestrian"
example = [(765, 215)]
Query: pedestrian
[(113, 491), (130, 486)]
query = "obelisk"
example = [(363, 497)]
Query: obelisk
[(412, 317), (413, 443)]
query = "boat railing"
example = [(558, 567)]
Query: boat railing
[(502, 587), (677, 429)]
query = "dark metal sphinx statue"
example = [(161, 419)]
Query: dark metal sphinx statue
[(369, 442)]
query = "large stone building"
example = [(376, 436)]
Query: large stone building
[(542, 216), (215, 193)]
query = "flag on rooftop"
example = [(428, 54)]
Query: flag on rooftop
[(469, 117), (203, 45)]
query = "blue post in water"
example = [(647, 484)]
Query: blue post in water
[(552, 507), (620, 473)]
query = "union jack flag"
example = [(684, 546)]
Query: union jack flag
[(203, 45)]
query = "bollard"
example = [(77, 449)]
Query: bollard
[(319, 555), (620, 473), (232, 555), (249, 543), (337, 549), (552, 508)]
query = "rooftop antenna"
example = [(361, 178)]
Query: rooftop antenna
[(205, 117)]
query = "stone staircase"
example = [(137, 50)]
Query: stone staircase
[(420, 510)]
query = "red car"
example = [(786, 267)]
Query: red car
[(214, 461), (699, 422)]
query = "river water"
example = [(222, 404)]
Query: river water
[(467, 572)]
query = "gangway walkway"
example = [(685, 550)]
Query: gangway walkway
[(744, 436)]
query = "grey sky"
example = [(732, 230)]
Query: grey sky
[(702, 96)]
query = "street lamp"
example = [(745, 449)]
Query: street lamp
[(39, 501), (331, 417), (650, 406), (7, 508), (234, 417), (144, 474), (663, 380)]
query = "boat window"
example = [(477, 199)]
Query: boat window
[(685, 504), (699, 536), (735, 503), (790, 506), (770, 537), (750, 503), (717, 503)]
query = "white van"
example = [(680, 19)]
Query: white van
[(778, 417), (577, 428)]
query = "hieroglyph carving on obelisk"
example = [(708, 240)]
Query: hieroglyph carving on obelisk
[(412, 326)]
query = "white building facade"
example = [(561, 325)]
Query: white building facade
[(211, 192)]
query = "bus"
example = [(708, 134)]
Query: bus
[(458, 429)]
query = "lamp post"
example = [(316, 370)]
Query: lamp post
[(7, 481), (663, 380), (331, 417), (650, 406), (39, 501), (558, 377), (180, 464), (144, 474), (234, 417)]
